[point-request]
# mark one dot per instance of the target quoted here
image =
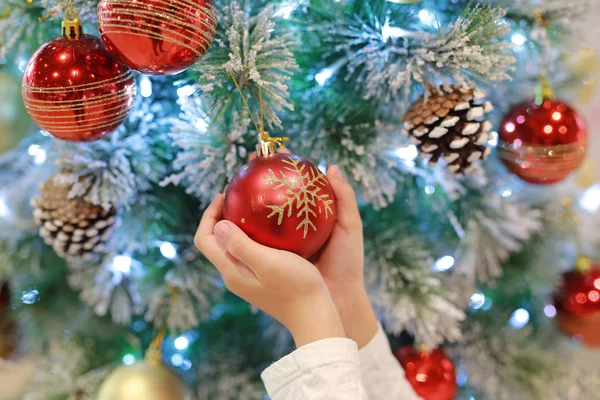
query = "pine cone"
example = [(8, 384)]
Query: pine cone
[(73, 227), (451, 125)]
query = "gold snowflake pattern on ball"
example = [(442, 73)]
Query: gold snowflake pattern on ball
[(304, 189)]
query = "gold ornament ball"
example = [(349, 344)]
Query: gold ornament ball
[(142, 381), (13, 116)]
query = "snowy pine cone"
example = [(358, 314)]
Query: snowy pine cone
[(451, 125), (73, 227)]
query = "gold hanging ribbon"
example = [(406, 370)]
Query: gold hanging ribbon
[(263, 136), (154, 353), (543, 90), (62, 5)]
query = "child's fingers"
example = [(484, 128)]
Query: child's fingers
[(348, 216), (256, 256), (211, 216), (205, 240), (281, 151)]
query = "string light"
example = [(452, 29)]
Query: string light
[(590, 200), (323, 76), (477, 301), (168, 250), (177, 360), (181, 343), (518, 39), (444, 263), (550, 311), (122, 264), (145, 86), (128, 359), (519, 318)]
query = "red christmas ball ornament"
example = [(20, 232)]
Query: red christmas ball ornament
[(542, 143), (282, 201), (74, 89), (432, 375), (157, 37), (577, 303)]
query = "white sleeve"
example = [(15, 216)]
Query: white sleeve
[(325, 370), (383, 377)]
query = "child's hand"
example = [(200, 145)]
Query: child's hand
[(282, 284), (341, 263)]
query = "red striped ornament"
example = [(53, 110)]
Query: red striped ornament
[(543, 143), (157, 37), (74, 89)]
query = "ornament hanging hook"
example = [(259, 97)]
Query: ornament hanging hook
[(60, 6), (266, 142)]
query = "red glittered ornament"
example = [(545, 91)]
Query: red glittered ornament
[(542, 143), (282, 201), (577, 303), (432, 375), (75, 89), (157, 37)]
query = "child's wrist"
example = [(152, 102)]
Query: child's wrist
[(357, 315), (320, 321)]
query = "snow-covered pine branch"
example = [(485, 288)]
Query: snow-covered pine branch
[(246, 46), (386, 64), (110, 288), (496, 229), (225, 384), (207, 157), (63, 374), (112, 172), (20, 31), (516, 364), (405, 289), (189, 291)]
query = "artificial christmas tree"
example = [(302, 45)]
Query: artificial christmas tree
[(454, 260)]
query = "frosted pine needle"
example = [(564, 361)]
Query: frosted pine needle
[(496, 230), (385, 68), (208, 157), (189, 290), (112, 172), (406, 291), (248, 48)]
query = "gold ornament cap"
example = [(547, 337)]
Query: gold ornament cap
[(584, 263), (71, 26), (264, 149), (543, 91)]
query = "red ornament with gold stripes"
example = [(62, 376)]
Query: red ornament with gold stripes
[(76, 90), (542, 141), (157, 37)]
